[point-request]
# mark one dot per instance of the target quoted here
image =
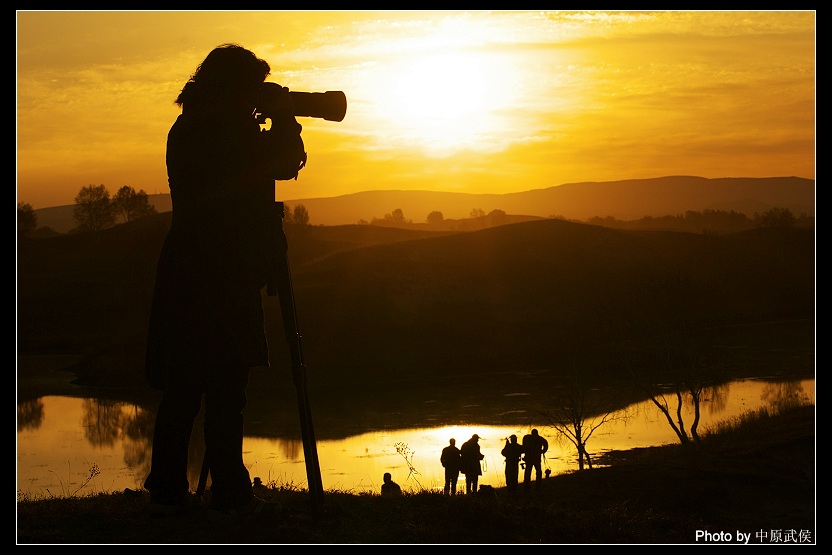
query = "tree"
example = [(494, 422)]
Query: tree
[(477, 213), (27, 220), (301, 215), (93, 210), (397, 216), (675, 372), (435, 217), (578, 409), (671, 352), (132, 205), (776, 217), (496, 217)]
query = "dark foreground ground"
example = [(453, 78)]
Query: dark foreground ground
[(756, 479)]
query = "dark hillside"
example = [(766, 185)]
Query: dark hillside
[(309, 243), (534, 295), (89, 294), (379, 304)]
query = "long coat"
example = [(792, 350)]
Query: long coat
[(207, 311), (470, 457)]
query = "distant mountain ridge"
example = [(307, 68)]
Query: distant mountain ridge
[(629, 199)]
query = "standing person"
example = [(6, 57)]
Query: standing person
[(451, 460), (512, 452), (390, 488), (206, 326), (534, 447), (471, 456)]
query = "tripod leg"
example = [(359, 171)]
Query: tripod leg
[(203, 476), (283, 288), (280, 284)]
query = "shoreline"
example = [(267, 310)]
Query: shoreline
[(40, 375), (758, 478)]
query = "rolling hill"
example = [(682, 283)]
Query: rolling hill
[(378, 305), (624, 200)]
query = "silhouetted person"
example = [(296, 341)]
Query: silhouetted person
[(390, 488), (534, 447), (471, 456), (206, 325), (451, 460), (512, 452)]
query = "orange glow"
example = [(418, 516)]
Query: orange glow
[(481, 102)]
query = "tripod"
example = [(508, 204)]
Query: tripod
[(280, 284)]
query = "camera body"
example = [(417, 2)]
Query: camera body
[(275, 101)]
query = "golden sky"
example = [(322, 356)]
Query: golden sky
[(464, 101)]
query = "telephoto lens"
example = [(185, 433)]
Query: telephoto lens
[(329, 105)]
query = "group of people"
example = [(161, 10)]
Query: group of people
[(532, 449), (466, 459)]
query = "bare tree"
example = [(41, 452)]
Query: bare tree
[(578, 409), (131, 205), (93, 210), (675, 373), (27, 219)]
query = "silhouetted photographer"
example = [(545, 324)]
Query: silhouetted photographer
[(534, 447), (206, 325), (512, 451)]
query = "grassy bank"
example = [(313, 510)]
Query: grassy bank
[(755, 475)]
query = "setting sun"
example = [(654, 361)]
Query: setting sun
[(444, 103)]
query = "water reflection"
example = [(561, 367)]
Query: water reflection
[(30, 415), (60, 440)]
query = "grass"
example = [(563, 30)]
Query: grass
[(68, 489), (755, 474)]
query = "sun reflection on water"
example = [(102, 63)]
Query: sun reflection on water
[(58, 443)]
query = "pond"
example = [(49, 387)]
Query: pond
[(69, 446)]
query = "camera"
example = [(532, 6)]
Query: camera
[(275, 100), (329, 105)]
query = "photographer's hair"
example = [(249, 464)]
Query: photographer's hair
[(227, 72)]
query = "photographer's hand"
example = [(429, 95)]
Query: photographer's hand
[(275, 102)]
